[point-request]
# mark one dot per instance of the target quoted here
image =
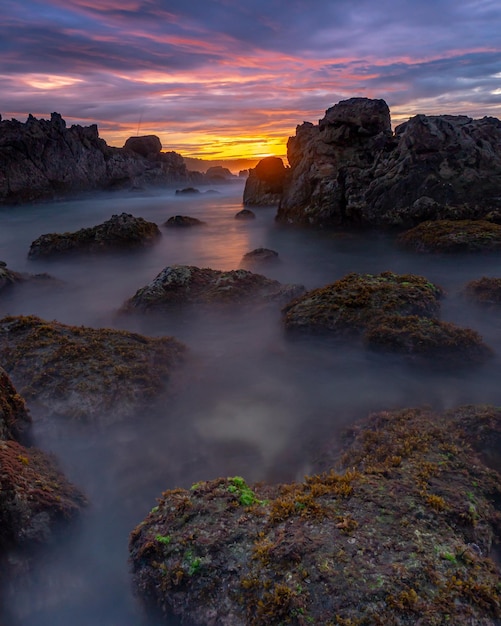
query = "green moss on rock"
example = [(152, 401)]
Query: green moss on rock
[(453, 236)]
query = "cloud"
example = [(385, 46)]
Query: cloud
[(220, 71)]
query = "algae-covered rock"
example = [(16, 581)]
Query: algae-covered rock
[(453, 236), (259, 257), (429, 341), (120, 231), (186, 284), (485, 291), (86, 373), (15, 420), (398, 532), (351, 304)]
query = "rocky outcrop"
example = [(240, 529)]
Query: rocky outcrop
[(397, 529), (260, 257), (183, 221), (218, 173), (100, 375), (352, 170), (245, 214), (485, 291), (9, 278), (265, 182), (35, 497), (45, 159), (453, 236), (120, 231), (181, 285)]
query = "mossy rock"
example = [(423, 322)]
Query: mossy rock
[(181, 285), (453, 236), (351, 304), (430, 341), (86, 373), (120, 231), (485, 291), (15, 420), (398, 532)]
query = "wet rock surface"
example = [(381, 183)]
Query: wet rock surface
[(259, 257), (182, 221), (100, 375), (396, 528), (453, 236), (45, 159), (245, 214), (352, 170), (265, 182), (180, 285), (120, 231)]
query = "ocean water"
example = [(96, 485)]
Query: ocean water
[(251, 402)]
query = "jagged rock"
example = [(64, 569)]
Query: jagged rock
[(186, 284), (120, 231), (453, 236), (428, 342), (146, 146), (188, 191), (352, 304), (245, 214), (265, 182), (218, 173), (259, 257), (102, 375), (397, 529), (485, 291), (182, 221), (45, 159), (35, 497), (352, 170)]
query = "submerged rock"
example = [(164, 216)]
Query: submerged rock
[(182, 221), (188, 191), (352, 304), (9, 278), (265, 182), (101, 375), (245, 214), (453, 236), (397, 531), (120, 231), (428, 341), (485, 291), (352, 170), (186, 284), (35, 497), (259, 257)]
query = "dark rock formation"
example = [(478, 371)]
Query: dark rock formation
[(259, 257), (35, 497), (265, 182), (185, 284), (187, 191), (9, 278), (351, 169), (182, 221), (485, 291), (245, 214), (218, 173), (427, 341), (399, 532), (352, 304), (453, 236), (45, 159), (85, 373), (120, 231)]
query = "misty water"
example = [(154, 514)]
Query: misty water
[(248, 402)]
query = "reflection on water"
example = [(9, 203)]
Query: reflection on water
[(252, 403)]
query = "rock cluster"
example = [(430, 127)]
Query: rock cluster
[(45, 159), (352, 170)]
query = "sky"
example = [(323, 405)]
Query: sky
[(233, 78)]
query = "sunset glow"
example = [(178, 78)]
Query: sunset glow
[(220, 79)]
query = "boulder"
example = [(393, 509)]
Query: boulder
[(265, 182), (120, 231), (182, 221), (245, 214), (146, 146), (218, 173), (181, 285), (352, 304), (45, 159), (99, 375), (259, 257), (428, 342), (351, 170), (485, 291), (187, 191), (397, 529), (9, 278), (453, 236)]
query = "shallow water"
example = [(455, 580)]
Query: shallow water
[(254, 404)]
